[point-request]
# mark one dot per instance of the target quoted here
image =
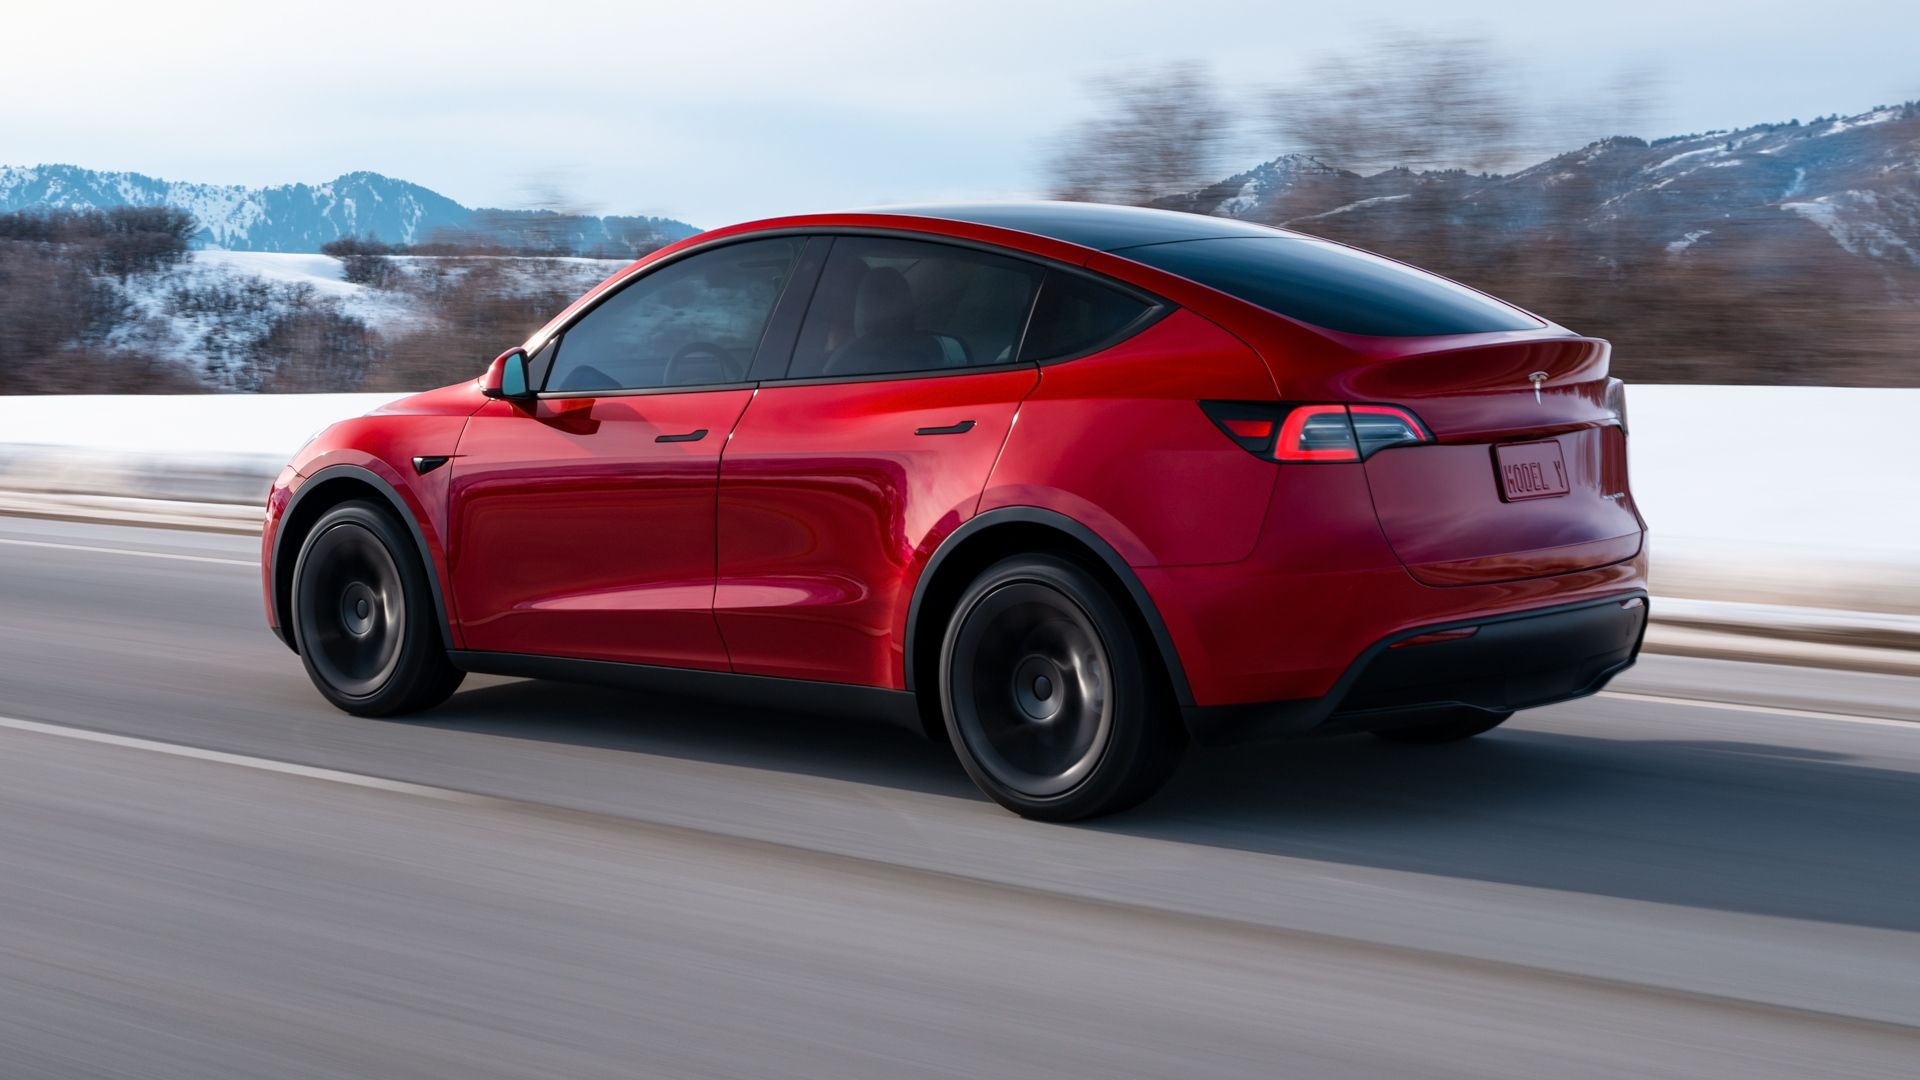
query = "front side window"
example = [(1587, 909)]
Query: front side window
[(694, 322), (886, 306)]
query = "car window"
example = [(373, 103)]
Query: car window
[(1332, 286), (693, 322), (1074, 314), (886, 306)]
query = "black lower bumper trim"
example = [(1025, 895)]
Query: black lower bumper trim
[(1509, 662)]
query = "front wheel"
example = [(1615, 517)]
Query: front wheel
[(1053, 702), (363, 616)]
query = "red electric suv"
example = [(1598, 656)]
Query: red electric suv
[(1068, 484)]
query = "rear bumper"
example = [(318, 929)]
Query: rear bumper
[(1516, 660)]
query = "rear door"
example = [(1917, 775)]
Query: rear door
[(873, 444), (583, 521)]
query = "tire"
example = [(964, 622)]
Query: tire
[(1445, 726), (364, 618), (1055, 705)]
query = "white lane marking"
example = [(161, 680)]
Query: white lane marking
[(131, 551), (245, 761), (1770, 710)]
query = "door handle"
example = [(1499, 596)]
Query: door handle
[(960, 428), (691, 436)]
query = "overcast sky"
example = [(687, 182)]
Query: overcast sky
[(716, 112)]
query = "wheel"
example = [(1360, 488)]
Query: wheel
[(364, 618), (1056, 707), (1445, 726)]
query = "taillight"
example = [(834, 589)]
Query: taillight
[(1316, 433), (1296, 432), (1380, 426)]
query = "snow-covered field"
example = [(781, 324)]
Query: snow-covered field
[(202, 313), (1818, 468)]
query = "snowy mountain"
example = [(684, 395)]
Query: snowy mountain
[(1854, 181), (301, 217)]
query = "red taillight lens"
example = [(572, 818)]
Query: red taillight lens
[(1283, 431)]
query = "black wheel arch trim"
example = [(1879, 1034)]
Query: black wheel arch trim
[(283, 557), (1034, 515)]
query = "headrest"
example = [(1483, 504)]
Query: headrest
[(884, 304)]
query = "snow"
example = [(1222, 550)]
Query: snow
[(1859, 235), (1823, 469), (323, 272), (1241, 202), (1687, 241), (178, 425), (1353, 206), (1879, 117), (1685, 156)]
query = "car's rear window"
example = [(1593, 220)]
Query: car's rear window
[(1334, 287)]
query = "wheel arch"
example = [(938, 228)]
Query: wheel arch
[(321, 492), (986, 538)]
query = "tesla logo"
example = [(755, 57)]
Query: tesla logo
[(1538, 379)]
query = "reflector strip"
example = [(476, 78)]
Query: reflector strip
[(1436, 636)]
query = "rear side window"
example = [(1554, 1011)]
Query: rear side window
[(886, 306), (1334, 287), (1075, 314)]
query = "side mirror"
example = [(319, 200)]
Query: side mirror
[(506, 377)]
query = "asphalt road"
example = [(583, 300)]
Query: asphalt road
[(204, 872)]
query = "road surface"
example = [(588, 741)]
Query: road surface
[(205, 872)]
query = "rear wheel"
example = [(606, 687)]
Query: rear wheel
[(364, 617), (1054, 704), (1445, 726)]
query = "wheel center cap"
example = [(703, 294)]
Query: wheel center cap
[(357, 605), (1034, 681)]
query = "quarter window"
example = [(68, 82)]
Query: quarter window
[(1075, 314), (886, 305), (694, 322)]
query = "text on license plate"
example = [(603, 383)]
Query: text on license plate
[(1534, 470)]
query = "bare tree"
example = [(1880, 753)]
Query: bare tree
[(1160, 133), (1416, 101)]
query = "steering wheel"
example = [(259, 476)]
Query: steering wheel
[(686, 352)]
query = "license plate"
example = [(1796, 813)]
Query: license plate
[(1534, 470)]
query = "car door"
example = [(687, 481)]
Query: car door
[(583, 520), (872, 445)]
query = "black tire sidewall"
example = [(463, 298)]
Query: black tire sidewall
[(422, 675), (1144, 742)]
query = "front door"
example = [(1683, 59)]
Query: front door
[(583, 521)]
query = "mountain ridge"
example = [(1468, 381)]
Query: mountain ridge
[(1856, 178), (300, 217)]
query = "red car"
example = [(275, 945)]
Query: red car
[(1066, 484)]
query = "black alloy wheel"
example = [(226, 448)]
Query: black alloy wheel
[(364, 617), (1055, 705)]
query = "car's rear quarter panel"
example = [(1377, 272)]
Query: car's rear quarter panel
[(1117, 441)]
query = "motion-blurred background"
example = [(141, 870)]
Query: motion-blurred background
[(204, 202)]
